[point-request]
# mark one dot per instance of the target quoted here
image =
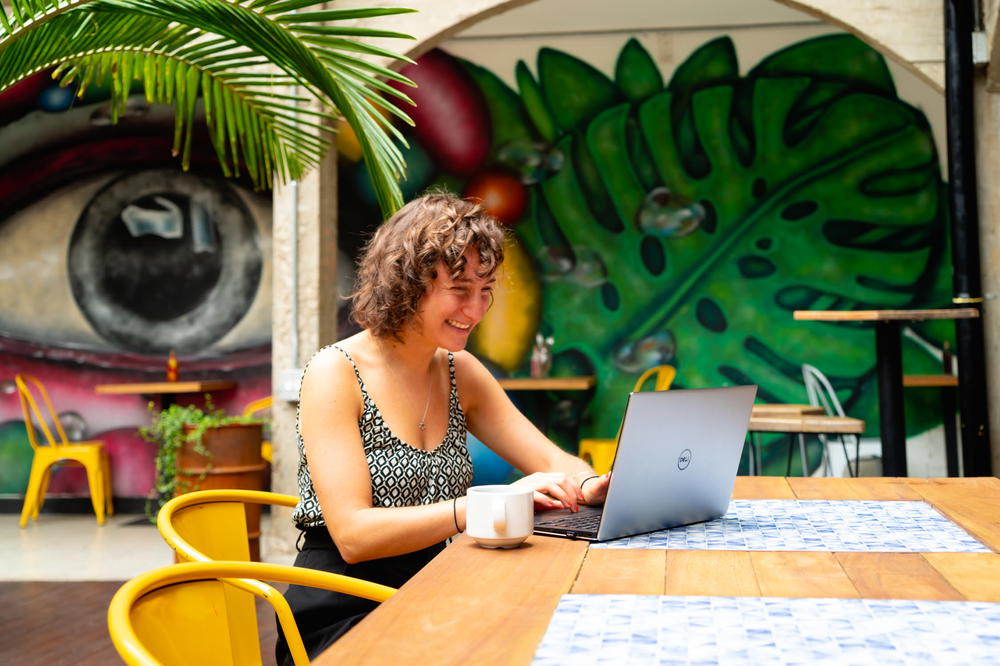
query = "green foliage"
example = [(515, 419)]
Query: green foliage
[(241, 59), (15, 458), (168, 432), (812, 184)]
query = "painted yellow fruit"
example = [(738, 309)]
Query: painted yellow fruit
[(347, 141), (504, 336)]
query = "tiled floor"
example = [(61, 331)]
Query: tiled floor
[(68, 547)]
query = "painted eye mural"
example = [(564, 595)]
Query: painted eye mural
[(681, 217), (110, 258)]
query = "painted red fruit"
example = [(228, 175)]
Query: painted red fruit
[(501, 193), (452, 121)]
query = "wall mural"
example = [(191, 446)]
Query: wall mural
[(656, 217), (111, 257), (682, 221)]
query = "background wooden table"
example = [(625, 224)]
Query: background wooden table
[(547, 383), (165, 390), (472, 605), (889, 368)]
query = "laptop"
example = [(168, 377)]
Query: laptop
[(676, 462)]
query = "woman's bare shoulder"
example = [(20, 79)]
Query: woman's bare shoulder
[(330, 372)]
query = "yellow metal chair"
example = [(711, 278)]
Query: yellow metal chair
[(183, 614), (90, 454), (600, 453), (260, 405), (210, 525)]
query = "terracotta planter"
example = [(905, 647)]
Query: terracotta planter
[(235, 462)]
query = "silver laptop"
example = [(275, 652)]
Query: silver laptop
[(678, 453)]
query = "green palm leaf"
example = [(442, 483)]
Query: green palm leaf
[(241, 60)]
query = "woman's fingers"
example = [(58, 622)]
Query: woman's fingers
[(561, 488), (545, 503), (556, 486)]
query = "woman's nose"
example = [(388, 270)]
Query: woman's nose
[(476, 306)]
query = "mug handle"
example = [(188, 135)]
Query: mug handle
[(499, 515)]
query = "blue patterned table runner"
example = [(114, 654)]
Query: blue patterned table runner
[(613, 629), (816, 525)]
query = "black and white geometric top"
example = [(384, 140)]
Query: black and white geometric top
[(401, 474)]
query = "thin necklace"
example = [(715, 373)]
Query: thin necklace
[(423, 419)]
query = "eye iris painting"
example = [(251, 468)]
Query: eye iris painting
[(657, 214), (163, 261)]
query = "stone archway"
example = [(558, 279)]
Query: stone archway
[(909, 32)]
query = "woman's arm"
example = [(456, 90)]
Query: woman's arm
[(555, 474), (329, 408)]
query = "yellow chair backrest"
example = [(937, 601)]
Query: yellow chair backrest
[(252, 408), (258, 405), (600, 452), (181, 615), (33, 415), (208, 525), (664, 378)]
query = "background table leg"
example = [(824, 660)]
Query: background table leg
[(889, 363)]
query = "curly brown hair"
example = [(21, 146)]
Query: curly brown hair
[(400, 260)]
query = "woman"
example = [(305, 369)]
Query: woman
[(383, 415)]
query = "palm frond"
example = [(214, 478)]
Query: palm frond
[(180, 49)]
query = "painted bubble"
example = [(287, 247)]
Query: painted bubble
[(636, 356), (580, 265), (74, 425), (555, 261), (662, 214), (589, 270), (563, 414), (531, 160)]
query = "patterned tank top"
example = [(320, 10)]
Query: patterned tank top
[(401, 474)]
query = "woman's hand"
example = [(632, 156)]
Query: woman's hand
[(553, 490), (595, 488)]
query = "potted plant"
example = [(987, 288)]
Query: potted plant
[(199, 449)]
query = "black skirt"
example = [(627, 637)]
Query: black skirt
[(323, 616)]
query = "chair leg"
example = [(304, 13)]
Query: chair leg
[(43, 490), (851, 471), (750, 455), (802, 454), (95, 478), (109, 508), (32, 502)]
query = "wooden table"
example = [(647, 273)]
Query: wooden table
[(797, 424), (472, 605), (547, 383), (889, 366), (785, 409), (166, 390)]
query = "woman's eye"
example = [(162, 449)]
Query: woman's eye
[(142, 262)]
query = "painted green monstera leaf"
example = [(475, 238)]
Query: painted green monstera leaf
[(685, 224)]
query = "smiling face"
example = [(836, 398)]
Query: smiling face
[(451, 307)]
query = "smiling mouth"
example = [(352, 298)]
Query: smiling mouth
[(454, 323)]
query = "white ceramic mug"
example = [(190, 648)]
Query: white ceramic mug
[(499, 516)]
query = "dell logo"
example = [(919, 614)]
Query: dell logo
[(684, 459)]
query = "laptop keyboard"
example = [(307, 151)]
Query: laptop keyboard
[(576, 521)]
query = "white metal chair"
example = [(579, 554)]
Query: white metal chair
[(821, 394)]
